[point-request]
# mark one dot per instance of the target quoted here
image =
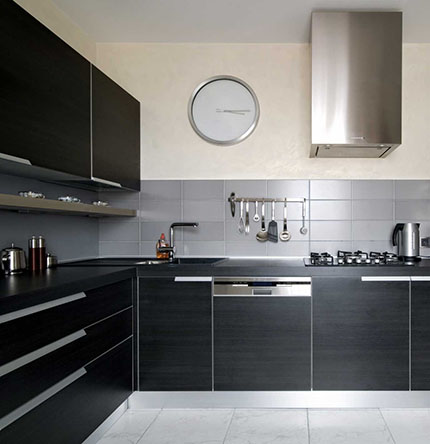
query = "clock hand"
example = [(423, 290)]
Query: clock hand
[(233, 111)]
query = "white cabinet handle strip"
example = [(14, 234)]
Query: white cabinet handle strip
[(44, 396), (193, 278), (385, 278), (30, 357), (40, 307), (420, 278)]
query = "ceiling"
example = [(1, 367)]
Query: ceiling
[(225, 21)]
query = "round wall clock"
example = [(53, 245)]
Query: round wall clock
[(223, 110)]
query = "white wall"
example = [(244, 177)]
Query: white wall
[(54, 19), (163, 76)]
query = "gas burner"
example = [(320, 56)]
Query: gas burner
[(345, 258)]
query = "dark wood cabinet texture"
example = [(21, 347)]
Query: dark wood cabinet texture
[(175, 348), (360, 334), (64, 369), (420, 335), (262, 343), (58, 111)]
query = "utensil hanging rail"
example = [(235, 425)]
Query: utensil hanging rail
[(233, 199)]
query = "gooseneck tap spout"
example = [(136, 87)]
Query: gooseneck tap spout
[(171, 249)]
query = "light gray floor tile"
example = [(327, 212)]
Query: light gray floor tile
[(348, 427), (408, 426), (189, 427), (130, 427), (268, 427)]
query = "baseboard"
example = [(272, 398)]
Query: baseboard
[(312, 399)]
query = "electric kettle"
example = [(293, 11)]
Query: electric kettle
[(13, 260), (407, 239)]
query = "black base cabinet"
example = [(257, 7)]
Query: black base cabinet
[(420, 335), (360, 334), (71, 415), (175, 337), (262, 343)]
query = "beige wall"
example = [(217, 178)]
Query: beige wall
[(53, 18), (163, 76)]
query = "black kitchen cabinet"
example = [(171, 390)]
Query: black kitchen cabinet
[(44, 95), (262, 343), (360, 334), (72, 414), (420, 335), (175, 335), (116, 132)]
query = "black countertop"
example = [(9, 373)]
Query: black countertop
[(27, 289), (257, 267)]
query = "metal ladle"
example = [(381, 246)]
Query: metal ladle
[(303, 229)]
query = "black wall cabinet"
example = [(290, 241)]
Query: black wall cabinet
[(360, 334), (116, 132), (262, 343), (175, 335), (47, 105), (420, 335), (44, 95)]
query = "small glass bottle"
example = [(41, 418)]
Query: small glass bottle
[(161, 243)]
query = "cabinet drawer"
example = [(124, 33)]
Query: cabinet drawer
[(36, 372), (72, 414), (30, 332)]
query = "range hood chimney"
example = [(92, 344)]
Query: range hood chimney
[(356, 83)]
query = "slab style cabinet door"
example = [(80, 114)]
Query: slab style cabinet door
[(175, 334), (262, 343), (44, 96), (420, 334), (116, 133), (360, 333)]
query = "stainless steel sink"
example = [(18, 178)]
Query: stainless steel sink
[(181, 261), (153, 262)]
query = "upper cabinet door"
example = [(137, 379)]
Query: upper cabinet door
[(44, 95), (116, 133)]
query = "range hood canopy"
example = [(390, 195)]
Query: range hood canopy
[(356, 83)]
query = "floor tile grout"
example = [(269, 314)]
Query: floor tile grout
[(229, 425), (386, 425), (151, 423)]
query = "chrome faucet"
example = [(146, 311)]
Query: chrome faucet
[(171, 249)]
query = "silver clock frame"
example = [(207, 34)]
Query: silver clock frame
[(236, 140)]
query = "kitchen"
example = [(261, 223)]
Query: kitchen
[(294, 305)]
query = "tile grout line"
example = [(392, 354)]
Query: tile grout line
[(386, 425), (149, 426), (309, 427), (229, 425)]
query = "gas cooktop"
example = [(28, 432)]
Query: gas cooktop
[(346, 258)]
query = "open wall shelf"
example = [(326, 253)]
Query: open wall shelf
[(28, 204)]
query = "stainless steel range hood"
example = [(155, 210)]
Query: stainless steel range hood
[(356, 83)]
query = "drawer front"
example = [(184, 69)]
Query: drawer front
[(24, 334), (34, 374), (71, 415)]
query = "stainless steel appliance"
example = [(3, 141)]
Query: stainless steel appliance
[(407, 239), (13, 260), (356, 258), (262, 286), (356, 83)]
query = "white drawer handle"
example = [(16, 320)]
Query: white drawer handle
[(193, 278), (420, 278), (40, 307), (44, 396), (14, 159), (36, 354), (385, 278)]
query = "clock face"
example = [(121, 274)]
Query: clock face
[(223, 110)]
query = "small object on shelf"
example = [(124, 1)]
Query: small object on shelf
[(51, 261), (71, 199), (100, 203), (33, 254), (161, 243), (31, 194), (13, 260)]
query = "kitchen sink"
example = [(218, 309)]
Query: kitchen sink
[(139, 261)]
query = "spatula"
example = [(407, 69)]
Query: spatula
[(272, 231)]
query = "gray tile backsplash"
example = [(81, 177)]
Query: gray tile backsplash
[(340, 214)]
